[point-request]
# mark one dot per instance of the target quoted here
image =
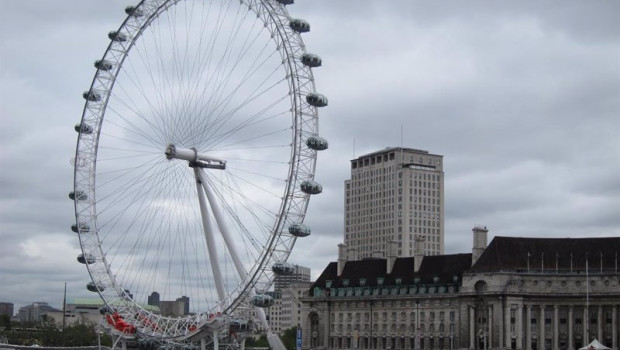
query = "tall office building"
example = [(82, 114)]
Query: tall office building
[(394, 195)]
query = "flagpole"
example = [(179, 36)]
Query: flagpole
[(587, 320)]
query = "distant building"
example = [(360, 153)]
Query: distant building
[(6, 309), (283, 314), (34, 312), (394, 195), (301, 274), (185, 301), (153, 299), (515, 293), (85, 310), (172, 308), (290, 315), (79, 310)]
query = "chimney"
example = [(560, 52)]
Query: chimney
[(352, 254), (480, 242), (342, 257), (391, 255), (377, 254), (418, 253)]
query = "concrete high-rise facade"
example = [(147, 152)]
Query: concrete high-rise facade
[(394, 197), (301, 274), (285, 311)]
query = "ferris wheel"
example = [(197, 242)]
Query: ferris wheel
[(194, 164)]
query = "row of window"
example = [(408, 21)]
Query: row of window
[(431, 329), (395, 316), (376, 291), (426, 342)]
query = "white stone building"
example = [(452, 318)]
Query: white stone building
[(516, 293), (395, 195)]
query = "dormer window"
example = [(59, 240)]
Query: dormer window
[(380, 281), (345, 282), (399, 281), (362, 282), (328, 283)]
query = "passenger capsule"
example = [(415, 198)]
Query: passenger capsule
[(286, 2), (134, 11), (238, 325), (311, 187), (299, 230), (103, 65), (79, 195), (316, 100), (91, 96), (262, 300), (83, 228), (283, 268), (105, 309), (86, 259), (311, 60), (83, 128), (317, 143), (116, 36), (299, 25), (91, 286)]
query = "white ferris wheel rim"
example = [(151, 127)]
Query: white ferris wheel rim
[(94, 230)]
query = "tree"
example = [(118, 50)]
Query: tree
[(290, 338), (5, 322), (257, 343), (48, 333)]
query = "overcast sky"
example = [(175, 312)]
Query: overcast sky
[(522, 98)]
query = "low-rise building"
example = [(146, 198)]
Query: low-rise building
[(34, 312)]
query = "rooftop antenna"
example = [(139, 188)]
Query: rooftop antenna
[(402, 154)]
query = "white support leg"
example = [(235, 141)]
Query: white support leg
[(208, 231), (223, 229)]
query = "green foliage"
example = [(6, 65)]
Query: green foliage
[(290, 338), (5, 322), (257, 343), (48, 333)]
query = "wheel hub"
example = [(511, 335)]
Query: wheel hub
[(194, 158)]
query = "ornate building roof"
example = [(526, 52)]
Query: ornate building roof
[(372, 272), (547, 254)]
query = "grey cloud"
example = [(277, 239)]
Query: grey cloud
[(520, 98)]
